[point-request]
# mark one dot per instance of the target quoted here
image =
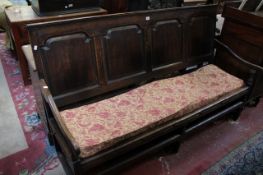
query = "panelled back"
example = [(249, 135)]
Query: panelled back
[(59, 52), (201, 46), (124, 52), (85, 57), (167, 47)]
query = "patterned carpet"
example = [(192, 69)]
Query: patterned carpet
[(39, 157), (247, 159), (197, 155)]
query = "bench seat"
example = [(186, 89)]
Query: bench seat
[(100, 125)]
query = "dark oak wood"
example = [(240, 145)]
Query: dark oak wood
[(58, 52), (19, 16), (201, 46), (120, 50), (243, 31), (164, 35), (121, 63), (88, 58)]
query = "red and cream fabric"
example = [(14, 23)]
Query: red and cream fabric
[(100, 125)]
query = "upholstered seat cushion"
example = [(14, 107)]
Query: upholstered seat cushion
[(100, 125)]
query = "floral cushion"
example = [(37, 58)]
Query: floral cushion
[(100, 125)]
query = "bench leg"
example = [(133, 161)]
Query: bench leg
[(235, 115), (50, 139), (49, 135), (254, 102), (172, 149)]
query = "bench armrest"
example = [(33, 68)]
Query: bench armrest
[(238, 58), (56, 114)]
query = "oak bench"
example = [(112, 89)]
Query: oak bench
[(117, 88)]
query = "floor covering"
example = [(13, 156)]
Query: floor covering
[(11, 133), (246, 159), (38, 157)]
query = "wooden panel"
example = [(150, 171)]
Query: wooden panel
[(247, 33), (167, 44), (125, 52), (243, 32), (243, 47), (244, 39), (201, 32), (123, 47), (68, 67)]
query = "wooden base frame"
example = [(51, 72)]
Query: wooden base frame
[(254, 102), (151, 144)]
